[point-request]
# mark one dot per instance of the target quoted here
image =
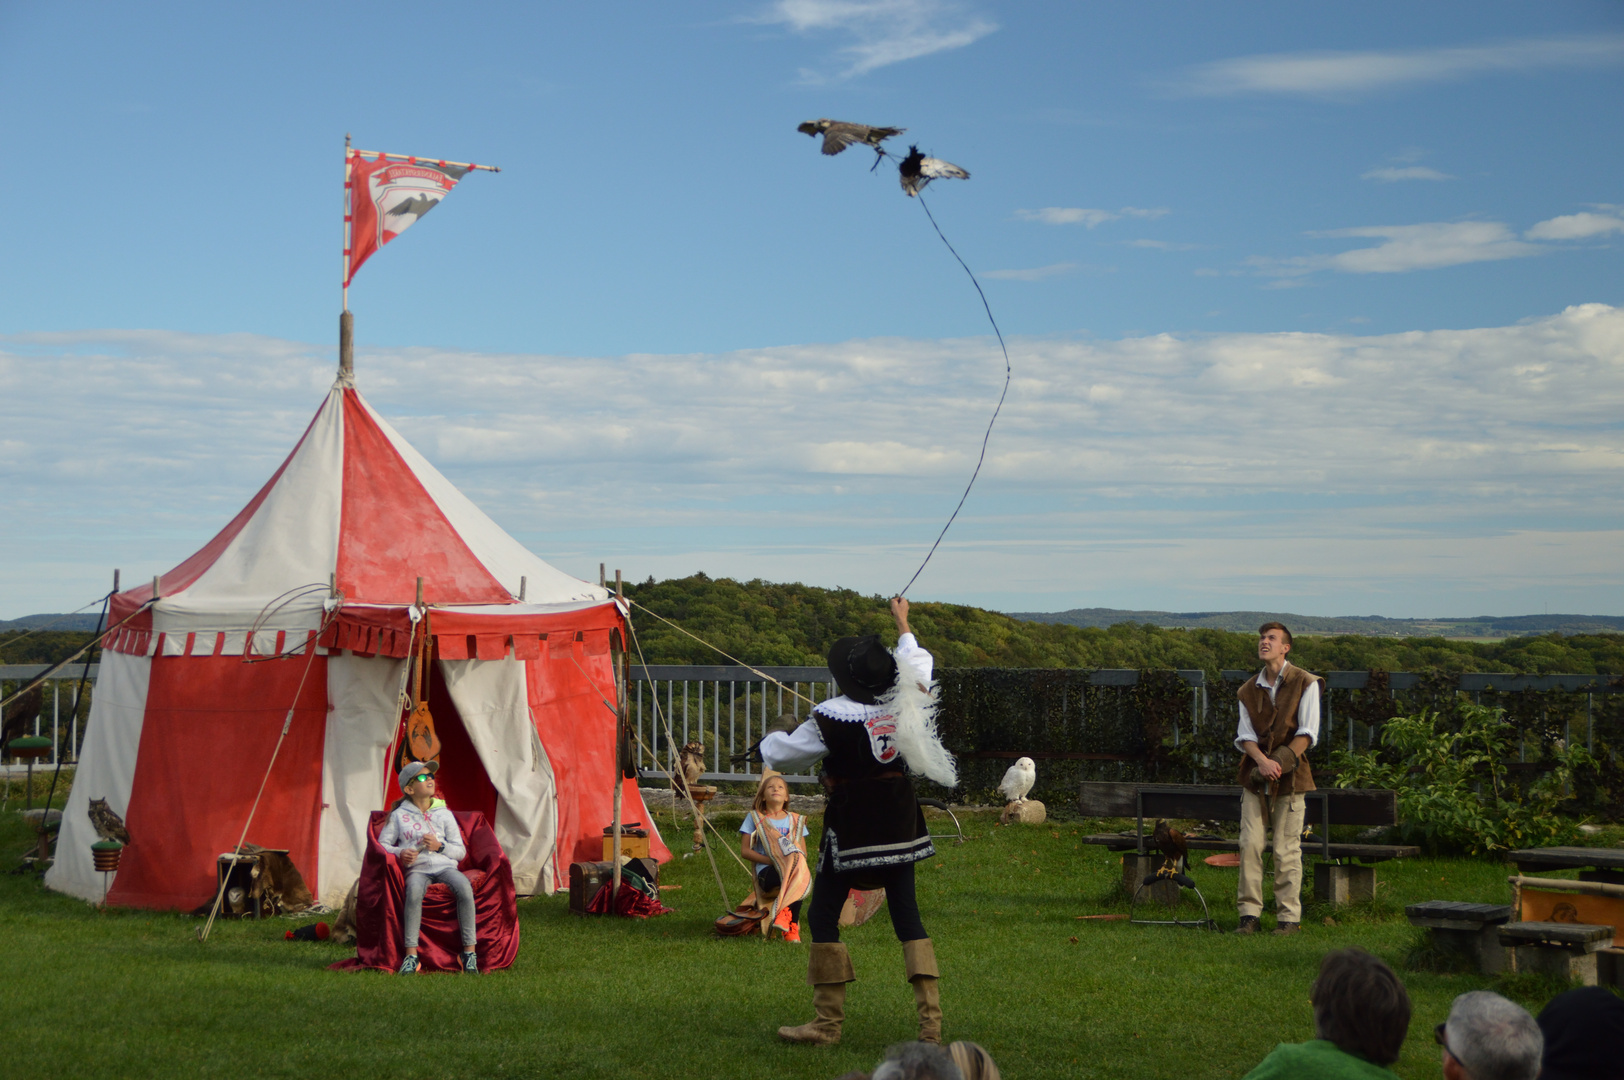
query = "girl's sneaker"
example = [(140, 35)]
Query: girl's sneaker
[(408, 966), (470, 963), (794, 933)]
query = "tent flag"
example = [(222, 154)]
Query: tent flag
[(386, 194)]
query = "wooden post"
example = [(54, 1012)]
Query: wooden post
[(522, 583), (620, 728), (115, 581), (346, 345), (156, 586), (602, 577), (419, 592)]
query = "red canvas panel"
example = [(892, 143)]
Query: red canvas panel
[(211, 725), (567, 688), (391, 532)]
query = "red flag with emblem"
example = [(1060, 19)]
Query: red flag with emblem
[(387, 194)]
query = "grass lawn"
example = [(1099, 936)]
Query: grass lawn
[(128, 994)]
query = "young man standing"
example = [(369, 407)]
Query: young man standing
[(1280, 718)]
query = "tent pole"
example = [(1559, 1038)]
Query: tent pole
[(620, 766), (346, 345)]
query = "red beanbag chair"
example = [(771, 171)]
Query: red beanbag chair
[(379, 916)]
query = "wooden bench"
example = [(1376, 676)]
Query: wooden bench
[(1566, 950), (1469, 932), (1336, 880)]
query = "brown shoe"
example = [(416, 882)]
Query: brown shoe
[(1287, 928), (1249, 925)]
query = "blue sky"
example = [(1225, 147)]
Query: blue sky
[(1311, 307)]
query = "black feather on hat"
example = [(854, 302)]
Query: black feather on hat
[(863, 668)]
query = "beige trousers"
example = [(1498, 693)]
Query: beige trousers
[(1287, 826)]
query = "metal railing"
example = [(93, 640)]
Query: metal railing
[(59, 688)]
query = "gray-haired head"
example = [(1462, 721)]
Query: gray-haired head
[(1493, 1038), (917, 1061)]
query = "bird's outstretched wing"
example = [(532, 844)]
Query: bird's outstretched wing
[(839, 134), (917, 170)]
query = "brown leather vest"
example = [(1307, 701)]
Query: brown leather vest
[(1276, 723)]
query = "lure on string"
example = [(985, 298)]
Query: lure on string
[(916, 171)]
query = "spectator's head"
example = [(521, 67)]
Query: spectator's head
[(1361, 1006), (1489, 1038), (917, 1061), (1584, 1031), (1273, 639), (974, 1062)]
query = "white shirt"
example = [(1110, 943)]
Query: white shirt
[(797, 751), (1308, 709)]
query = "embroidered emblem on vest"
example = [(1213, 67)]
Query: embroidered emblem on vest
[(882, 737)]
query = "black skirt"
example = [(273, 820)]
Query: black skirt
[(873, 822)]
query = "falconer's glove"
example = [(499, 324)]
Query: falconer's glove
[(1287, 759)]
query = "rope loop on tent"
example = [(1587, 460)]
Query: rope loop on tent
[(298, 592)]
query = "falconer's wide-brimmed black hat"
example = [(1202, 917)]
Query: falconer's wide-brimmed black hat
[(863, 668)]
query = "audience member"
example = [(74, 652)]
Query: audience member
[(1584, 1035), (1361, 1015), (1489, 1038), (917, 1061), (974, 1062)]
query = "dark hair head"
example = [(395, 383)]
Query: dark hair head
[(1361, 1006), (1280, 626), (1583, 1031)]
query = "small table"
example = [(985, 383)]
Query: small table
[(1593, 864)]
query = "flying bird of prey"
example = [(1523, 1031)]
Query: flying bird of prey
[(917, 170), (417, 206), (838, 134), (1018, 780)]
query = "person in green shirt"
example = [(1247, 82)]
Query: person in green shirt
[(1361, 1015)]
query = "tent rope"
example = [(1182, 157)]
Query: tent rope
[(310, 662), (78, 696), (95, 640), (40, 629), (717, 648)]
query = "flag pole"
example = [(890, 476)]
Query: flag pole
[(346, 321), (414, 158)]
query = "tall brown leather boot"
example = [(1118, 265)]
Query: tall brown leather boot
[(920, 956), (828, 970)]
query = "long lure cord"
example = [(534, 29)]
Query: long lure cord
[(1004, 393)]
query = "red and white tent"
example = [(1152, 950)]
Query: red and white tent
[(193, 691)]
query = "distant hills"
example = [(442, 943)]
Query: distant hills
[(84, 622), (1481, 626)]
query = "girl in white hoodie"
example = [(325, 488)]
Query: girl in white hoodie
[(426, 840)]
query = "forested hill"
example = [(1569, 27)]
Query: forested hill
[(765, 623)]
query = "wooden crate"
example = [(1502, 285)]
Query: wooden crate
[(635, 847)]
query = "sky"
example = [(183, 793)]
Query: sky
[(1312, 308)]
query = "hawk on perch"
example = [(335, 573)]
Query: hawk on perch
[(1175, 849)]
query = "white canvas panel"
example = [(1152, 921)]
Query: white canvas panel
[(291, 540), (506, 558), (363, 699), (490, 696), (106, 770)]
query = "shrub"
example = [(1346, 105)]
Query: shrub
[(1455, 792)]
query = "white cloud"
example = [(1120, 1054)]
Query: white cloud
[(1077, 215), (1391, 174), (1580, 226), (1350, 74), (886, 31), (1428, 246), (1037, 273), (837, 463), (1163, 245)]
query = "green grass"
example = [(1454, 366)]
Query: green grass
[(119, 993)]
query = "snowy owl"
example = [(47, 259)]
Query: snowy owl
[(1018, 780)]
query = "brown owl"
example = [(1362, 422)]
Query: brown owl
[(108, 825)]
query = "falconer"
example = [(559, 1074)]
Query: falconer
[(1279, 724), (881, 725)]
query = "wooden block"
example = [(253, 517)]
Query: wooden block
[(634, 847), (1135, 868), (1343, 884)]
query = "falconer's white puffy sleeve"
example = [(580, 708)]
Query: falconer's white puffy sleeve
[(909, 648), (794, 751)]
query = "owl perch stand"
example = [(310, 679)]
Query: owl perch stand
[(1170, 873), (701, 794)]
